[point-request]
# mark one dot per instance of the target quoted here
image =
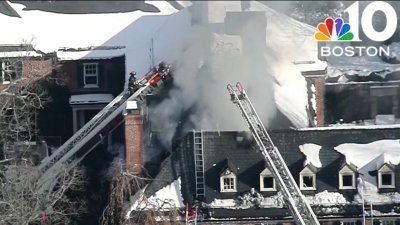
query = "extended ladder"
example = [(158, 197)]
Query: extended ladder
[(70, 153), (298, 205), (199, 163)]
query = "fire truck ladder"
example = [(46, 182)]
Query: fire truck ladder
[(298, 205), (69, 155), (199, 163)]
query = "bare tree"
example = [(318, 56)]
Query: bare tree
[(21, 202), (126, 184), (23, 92)]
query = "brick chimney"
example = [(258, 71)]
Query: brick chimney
[(317, 111), (319, 98), (134, 138)]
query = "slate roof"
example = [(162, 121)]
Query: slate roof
[(218, 146), (6, 9)]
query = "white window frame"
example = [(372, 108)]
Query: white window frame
[(267, 173), (307, 172), (228, 175), (91, 75), (346, 171), (383, 171), (388, 222), (349, 222)]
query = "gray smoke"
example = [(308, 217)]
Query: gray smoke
[(201, 75)]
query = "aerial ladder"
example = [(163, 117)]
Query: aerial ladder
[(294, 199), (87, 138)]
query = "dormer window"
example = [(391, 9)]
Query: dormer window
[(307, 179), (228, 181), (267, 181), (347, 178), (90, 75), (386, 177)]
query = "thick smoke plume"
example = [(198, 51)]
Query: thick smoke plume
[(202, 73)]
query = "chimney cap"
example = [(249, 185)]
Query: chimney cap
[(131, 105)]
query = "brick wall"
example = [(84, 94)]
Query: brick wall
[(319, 98), (134, 142), (36, 68)]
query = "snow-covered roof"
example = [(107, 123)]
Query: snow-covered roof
[(90, 54), (16, 54), (370, 157), (90, 99), (354, 127), (362, 154), (362, 65), (166, 198), (71, 30), (294, 44), (138, 31), (311, 151)]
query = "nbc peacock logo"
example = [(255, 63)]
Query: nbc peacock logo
[(333, 30)]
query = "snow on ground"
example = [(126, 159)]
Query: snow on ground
[(138, 31), (311, 151), (166, 198), (369, 157)]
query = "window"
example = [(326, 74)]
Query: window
[(307, 179), (388, 222), (386, 177), (267, 181), (10, 71), (90, 75), (348, 222), (228, 181), (347, 178)]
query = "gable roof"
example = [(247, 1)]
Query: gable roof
[(228, 165), (218, 146)]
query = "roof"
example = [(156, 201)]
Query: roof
[(275, 67), (218, 146), (19, 54), (342, 69), (73, 54), (6, 9), (228, 165), (136, 25), (90, 99)]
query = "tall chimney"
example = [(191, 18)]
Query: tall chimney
[(320, 102), (134, 138)]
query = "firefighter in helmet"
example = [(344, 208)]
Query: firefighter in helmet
[(132, 83)]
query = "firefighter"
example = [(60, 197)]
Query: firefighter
[(132, 83), (163, 67)]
